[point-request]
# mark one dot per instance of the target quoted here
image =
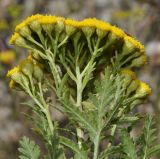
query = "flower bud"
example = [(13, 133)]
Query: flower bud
[(59, 26), (130, 45), (38, 73), (48, 28), (128, 48), (101, 33), (112, 38), (128, 76), (70, 30), (35, 26), (20, 42), (26, 67), (143, 90), (133, 86), (12, 71), (117, 32), (17, 76), (25, 31), (88, 31), (139, 61)]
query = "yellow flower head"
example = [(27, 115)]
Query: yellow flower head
[(145, 88), (93, 22), (117, 31), (134, 42), (33, 17), (48, 19), (73, 23), (7, 56), (20, 26), (14, 38), (13, 71), (27, 21), (103, 25), (90, 22), (129, 72)]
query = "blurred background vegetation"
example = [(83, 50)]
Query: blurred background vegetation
[(139, 18)]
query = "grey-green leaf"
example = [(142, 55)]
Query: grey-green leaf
[(128, 145), (28, 149), (80, 153), (153, 151)]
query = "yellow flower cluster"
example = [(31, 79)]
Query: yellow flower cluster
[(13, 71), (133, 84), (72, 23), (48, 20), (7, 57), (14, 37), (144, 88), (28, 21), (134, 42), (90, 22), (26, 69)]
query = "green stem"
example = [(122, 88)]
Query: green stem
[(46, 106), (93, 56), (32, 85), (96, 146), (38, 98), (113, 130), (54, 70), (63, 42), (80, 88), (35, 42), (41, 37), (78, 103), (48, 115), (79, 92)]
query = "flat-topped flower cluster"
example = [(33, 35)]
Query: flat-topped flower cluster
[(100, 27), (87, 44)]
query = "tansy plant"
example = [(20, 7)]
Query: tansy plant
[(89, 65)]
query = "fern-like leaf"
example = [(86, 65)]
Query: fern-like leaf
[(79, 153), (77, 116), (28, 149), (128, 146), (108, 97), (148, 139), (110, 151)]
